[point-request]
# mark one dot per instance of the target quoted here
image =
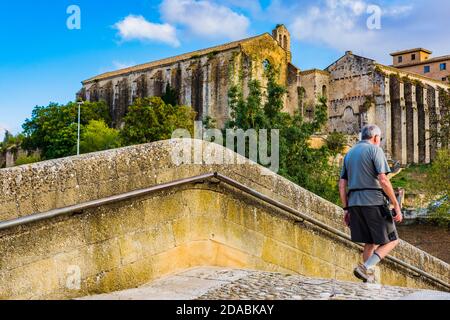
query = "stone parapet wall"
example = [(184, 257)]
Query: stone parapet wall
[(131, 242)]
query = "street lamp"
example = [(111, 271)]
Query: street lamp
[(78, 139)]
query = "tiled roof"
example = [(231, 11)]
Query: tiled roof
[(171, 60)]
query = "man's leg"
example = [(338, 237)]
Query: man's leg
[(381, 231), (369, 249), (385, 249), (380, 253), (373, 254)]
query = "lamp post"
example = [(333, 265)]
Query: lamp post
[(78, 136)]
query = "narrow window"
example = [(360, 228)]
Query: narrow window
[(426, 69), (400, 59), (324, 91), (266, 65)]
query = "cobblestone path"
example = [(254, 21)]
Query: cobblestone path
[(212, 283)]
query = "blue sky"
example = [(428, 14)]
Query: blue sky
[(43, 61)]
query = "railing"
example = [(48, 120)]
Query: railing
[(293, 213)]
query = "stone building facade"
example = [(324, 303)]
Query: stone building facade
[(202, 78), (404, 105), (359, 90), (313, 85)]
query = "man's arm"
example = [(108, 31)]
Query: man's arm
[(344, 199), (387, 188), (343, 192)]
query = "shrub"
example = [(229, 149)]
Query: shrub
[(23, 159), (97, 136), (336, 142), (151, 119)]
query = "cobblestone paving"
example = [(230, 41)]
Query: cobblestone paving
[(212, 283), (265, 286)]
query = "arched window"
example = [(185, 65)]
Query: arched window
[(348, 114), (309, 112), (285, 44), (266, 64), (324, 91)]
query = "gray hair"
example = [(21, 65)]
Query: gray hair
[(370, 131)]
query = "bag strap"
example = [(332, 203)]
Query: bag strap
[(367, 189)]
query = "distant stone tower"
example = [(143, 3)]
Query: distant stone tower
[(282, 35)]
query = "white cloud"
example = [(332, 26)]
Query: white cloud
[(251, 6), (356, 7), (396, 11), (122, 65), (342, 25), (138, 28), (205, 18)]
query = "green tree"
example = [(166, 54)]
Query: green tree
[(438, 184), (307, 167), (9, 140), (274, 105), (150, 119), (336, 142), (246, 113), (23, 159), (209, 123), (53, 128), (97, 136)]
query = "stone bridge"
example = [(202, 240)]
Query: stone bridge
[(118, 219)]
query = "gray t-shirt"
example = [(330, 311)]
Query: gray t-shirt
[(362, 165)]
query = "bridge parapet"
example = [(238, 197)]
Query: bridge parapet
[(130, 242)]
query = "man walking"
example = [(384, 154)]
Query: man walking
[(365, 174)]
